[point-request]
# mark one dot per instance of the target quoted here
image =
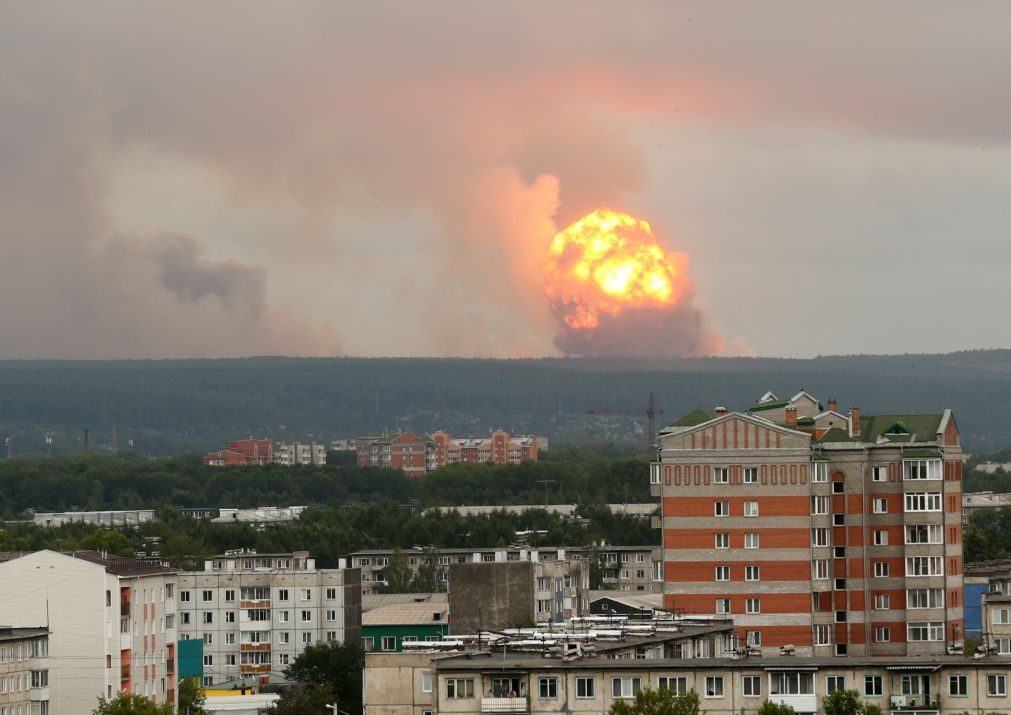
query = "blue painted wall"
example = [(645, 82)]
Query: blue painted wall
[(973, 599)]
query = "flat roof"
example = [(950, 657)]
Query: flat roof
[(19, 634)]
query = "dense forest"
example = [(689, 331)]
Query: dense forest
[(170, 407)]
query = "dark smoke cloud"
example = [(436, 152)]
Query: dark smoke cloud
[(641, 332)]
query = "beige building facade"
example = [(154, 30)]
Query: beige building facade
[(24, 671), (257, 612)]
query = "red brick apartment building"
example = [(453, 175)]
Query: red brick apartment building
[(835, 534), (418, 456), (242, 451)]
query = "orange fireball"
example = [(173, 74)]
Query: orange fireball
[(607, 262)]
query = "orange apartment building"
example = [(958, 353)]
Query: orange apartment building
[(834, 534), (242, 452), (417, 456)]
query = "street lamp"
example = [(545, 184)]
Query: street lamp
[(546, 482)]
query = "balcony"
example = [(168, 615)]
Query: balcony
[(261, 668), (124, 672), (254, 647), (800, 703), (124, 608), (913, 705), (170, 666), (258, 603), (504, 705)]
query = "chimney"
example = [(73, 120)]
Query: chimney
[(833, 406), (854, 421), (720, 411), (791, 416)]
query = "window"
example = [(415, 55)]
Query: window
[(880, 505), (584, 687), (819, 536), (840, 584), (426, 681), (306, 594), (677, 684), (880, 569), (819, 569), (626, 687), (751, 475), (819, 505), (925, 631), (282, 594), (230, 638), (996, 684), (751, 573), (753, 639), (206, 596), (834, 683), (721, 475), (879, 474), (208, 638), (307, 637), (306, 616), (751, 508), (751, 686), (840, 616), (925, 598), (872, 685), (723, 605), (753, 605), (819, 471), (839, 552), (838, 520), (230, 595), (547, 688), (882, 634), (184, 618), (751, 540), (722, 573), (880, 537), (229, 616), (721, 508), (331, 616), (822, 634), (184, 596), (792, 683), (838, 487), (882, 602), (40, 678), (958, 685), (654, 472), (282, 616), (208, 660), (389, 643), (923, 534), (229, 660), (923, 566), (284, 637), (369, 643), (921, 469), (208, 617), (331, 595), (459, 688), (722, 540), (714, 686), (923, 501)]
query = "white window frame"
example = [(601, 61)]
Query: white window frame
[(752, 573), (922, 501), (625, 687), (751, 509), (713, 686), (722, 573), (721, 508), (819, 471), (922, 469), (751, 686), (752, 605), (750, 475), (751, 540), (879, 505), (996, 685), (721, 540), (721, 475), (585, 687)]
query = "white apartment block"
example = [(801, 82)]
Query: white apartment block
[(24, 671), (257, 612), (111, 623), (292, 453)]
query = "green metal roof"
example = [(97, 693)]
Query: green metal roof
[(771, 405), (923, 426), (921, 453), (837, 435), (695, 417)]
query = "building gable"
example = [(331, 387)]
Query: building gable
[(736, 431)]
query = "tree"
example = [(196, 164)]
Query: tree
[(771, 708), (872, 709), (658, 702), (427, 579), (847, 702), (191, 697), (130, 705), (304, 699), (335, 666), (398, 574)]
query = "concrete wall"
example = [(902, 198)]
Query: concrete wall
[(490, 595)]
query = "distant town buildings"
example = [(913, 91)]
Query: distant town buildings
[(257, 612), (418, 455), (112, 624), (259, 452), (832, 534), (294, 453), (124, 517)]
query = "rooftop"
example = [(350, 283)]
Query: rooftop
[(406, 614), (17, 634)]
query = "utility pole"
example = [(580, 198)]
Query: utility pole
[(546, 482)]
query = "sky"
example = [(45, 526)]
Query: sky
[(384, 178)]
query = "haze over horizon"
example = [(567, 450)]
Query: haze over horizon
[(385, 178)]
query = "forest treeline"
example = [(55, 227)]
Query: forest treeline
[(167, 407), (93, 482)]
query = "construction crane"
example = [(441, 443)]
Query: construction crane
[(650, 419)]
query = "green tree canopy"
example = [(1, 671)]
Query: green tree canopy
[(398, 574), (305, 699), (658, 702), (191, 697), (336, 667), (131, 705), (771, 708)]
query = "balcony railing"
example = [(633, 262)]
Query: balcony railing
[(257, 603), (914, 705), (262, 668), (124, 608), (253, 647), (124, 672), (504, 705)]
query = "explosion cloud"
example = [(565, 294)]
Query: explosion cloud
[(614, 291)]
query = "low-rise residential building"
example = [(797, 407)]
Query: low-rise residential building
[(24, 671), (111, 622), (418, 455), (123, 517), (622, 568), (257, 612), (293, 453), (242, 452), (982, 501), (511, 594), (387, 628)]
